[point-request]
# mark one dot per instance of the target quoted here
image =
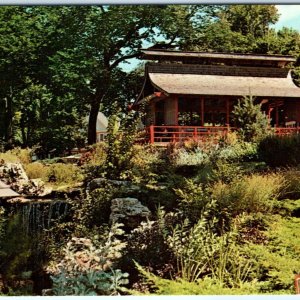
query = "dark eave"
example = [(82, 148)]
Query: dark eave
[(242, 59)]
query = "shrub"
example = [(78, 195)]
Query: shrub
[(96, 156), (225, 171), (121, 133), (190, 158), (276, 268), (146, 160), (255, 193), (205, 286), (148, 246), (37, 170), (62, 173), (192, 200), (239, 151), (86, 268), (280, 151), (201, 252), (95, 207), (252, 123)]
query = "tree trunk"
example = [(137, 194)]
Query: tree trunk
[(95, 105), (93, 121), (9, 124)]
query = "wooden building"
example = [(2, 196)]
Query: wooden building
[(192, 94)]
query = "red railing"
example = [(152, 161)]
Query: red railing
[(167, 134), (287, 130)]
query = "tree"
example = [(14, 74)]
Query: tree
[(100, 38), (238, 28), (253, 124)]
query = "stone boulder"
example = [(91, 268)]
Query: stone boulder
[(15, 176), (128, 211), (12, 172), (125, 186)]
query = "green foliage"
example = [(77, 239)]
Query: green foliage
[(190, 158), (276, 268), (254, 193), (86, 267), (147, 162), (16, 248), (62, 173), (280, 151), (94, 209), (192, 200), (224, 171), (36, 170), (121, 133), (200, 251), (253, 124), (148, 246), (206, 286), (92, 283)]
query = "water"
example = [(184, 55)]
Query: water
[(27, 222), (40, 215)]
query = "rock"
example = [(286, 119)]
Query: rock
[(12, 172), (15, 176), (127, 186), (128, 211)]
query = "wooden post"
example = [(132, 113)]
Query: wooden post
[(297, 283), (227, 113), (176, 110), (151, 134), (202, 111), (277, 116)]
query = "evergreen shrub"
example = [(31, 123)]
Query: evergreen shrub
[(252, 123), (280, 151)]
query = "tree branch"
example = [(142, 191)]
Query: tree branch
[(117, 61)]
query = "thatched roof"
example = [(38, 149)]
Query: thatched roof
[(191, 84)]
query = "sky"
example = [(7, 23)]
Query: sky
[(289, 16)]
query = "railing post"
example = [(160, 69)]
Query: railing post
[(297, 281), (151, 134), (195, 132)]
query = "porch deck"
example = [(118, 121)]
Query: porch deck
[(167, 134)]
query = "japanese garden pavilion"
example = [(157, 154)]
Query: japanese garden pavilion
[(192, 94)]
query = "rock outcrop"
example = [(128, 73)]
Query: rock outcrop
[(128, 211), (126, 186), (14, 175)]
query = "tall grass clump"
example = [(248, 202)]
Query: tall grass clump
[(37, 170), (17, 155), (64, 173), (280, 151), (292, 186), (251, 194)]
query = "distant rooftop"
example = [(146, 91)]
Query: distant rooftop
[(216, 57)]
